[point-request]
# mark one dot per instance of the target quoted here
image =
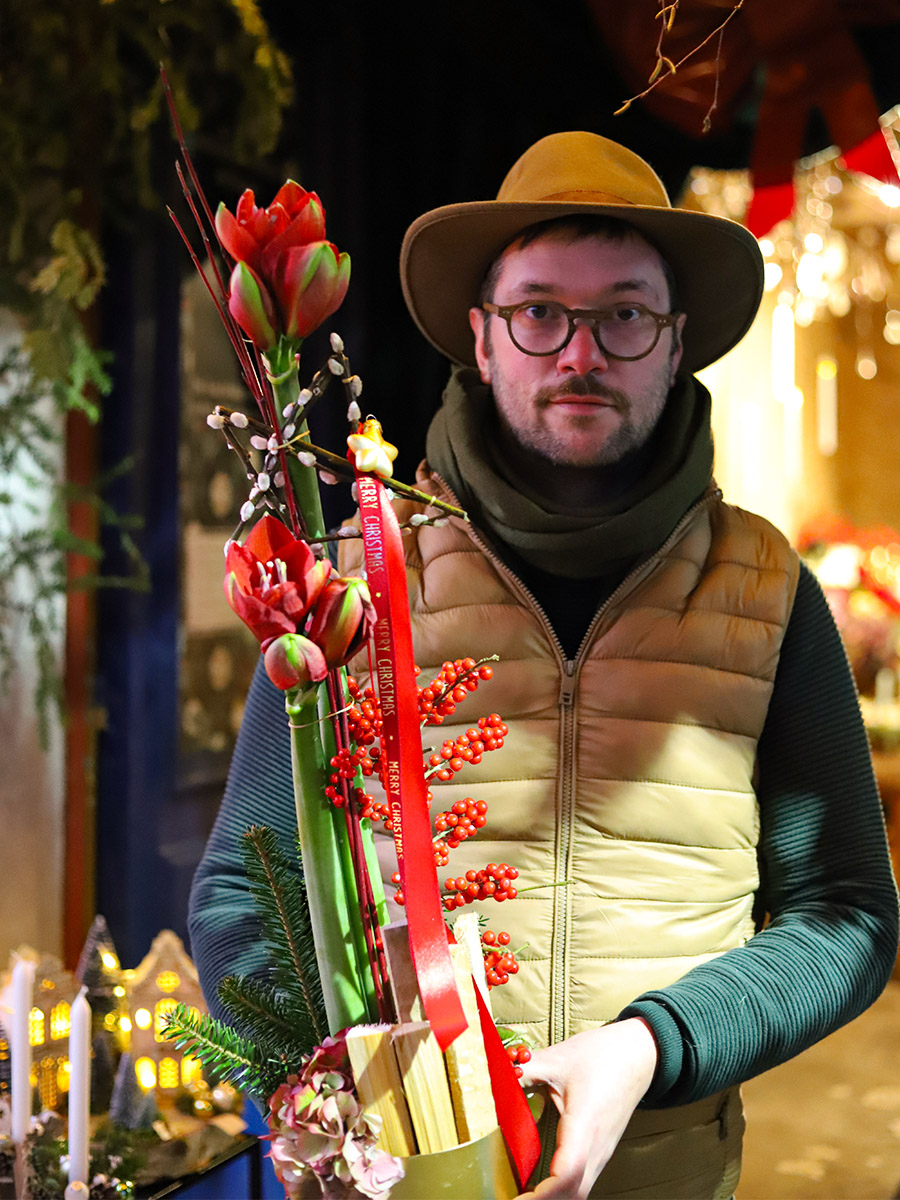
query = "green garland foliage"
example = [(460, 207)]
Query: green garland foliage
[(277, 1022), (116, 1153), (82, 121)]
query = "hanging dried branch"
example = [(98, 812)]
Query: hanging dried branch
[(665, 66)]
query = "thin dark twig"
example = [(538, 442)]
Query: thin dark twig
[(236, 340), (182, 145), (203, 234)]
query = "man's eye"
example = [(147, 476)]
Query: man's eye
[(537, 312), (627, 314)]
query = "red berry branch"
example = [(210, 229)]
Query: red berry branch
[(362, 759)]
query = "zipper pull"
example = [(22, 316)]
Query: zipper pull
[(567, 688)]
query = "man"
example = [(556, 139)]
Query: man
[(686, 788)]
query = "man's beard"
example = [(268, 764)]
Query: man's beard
[(630, 434)]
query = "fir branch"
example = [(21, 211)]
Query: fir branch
[(228, 1057), (280, 894), (266, 1017)]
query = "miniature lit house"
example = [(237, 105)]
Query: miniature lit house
[(130, 1005), (166, 977), (48, 1025)]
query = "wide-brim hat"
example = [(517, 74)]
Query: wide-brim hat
[(716, 262)]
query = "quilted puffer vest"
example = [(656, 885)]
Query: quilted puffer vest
[(624, 792)]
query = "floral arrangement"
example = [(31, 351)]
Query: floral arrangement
[(332, 992), (323, 1130)]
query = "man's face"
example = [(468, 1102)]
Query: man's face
[(577, 407)]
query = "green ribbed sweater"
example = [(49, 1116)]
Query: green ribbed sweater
[(827, 893)]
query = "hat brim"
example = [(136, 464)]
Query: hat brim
[(716, 262)]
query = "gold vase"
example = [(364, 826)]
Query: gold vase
[(479, 1170)]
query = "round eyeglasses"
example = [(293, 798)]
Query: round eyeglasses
[(626, 331)]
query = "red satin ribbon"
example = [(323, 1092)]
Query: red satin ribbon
[(402, 748), (513, 1114), (405, 783)]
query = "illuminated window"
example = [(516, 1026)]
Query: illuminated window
[(62, 1075), (167, 981), (36, 1027), (143, 1018), (191, 1070), (163, 1008), (47, 1089), (59, 1021), (145, 1072), (168, 1073), (4, 1049)]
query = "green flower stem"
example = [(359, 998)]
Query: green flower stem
[(331, 890), (349, 868), (304, 480), (331, 871)]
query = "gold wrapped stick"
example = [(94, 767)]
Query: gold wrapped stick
[(426, 1087), (379, 1086), (404, 986), (467, 1065)]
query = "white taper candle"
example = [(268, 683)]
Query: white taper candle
[(20, 1048), (79, 1089)]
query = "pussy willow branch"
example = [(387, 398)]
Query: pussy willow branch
[(342, 466)]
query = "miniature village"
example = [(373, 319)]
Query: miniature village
[(151, 1109)]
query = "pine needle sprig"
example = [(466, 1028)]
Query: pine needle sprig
[(280, 895), (228, 1057), (267, 1017)]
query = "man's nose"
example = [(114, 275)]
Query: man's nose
[(582, 354)]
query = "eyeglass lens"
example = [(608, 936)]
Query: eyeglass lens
[(627, 330)]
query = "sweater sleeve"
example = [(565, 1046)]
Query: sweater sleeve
[(827, 889), (222, 924)]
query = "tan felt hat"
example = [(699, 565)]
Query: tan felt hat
[(446, 252)]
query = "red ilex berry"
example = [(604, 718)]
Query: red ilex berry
[(495, 881), (450, 687), (498, 964), (462, 821), (518, 1053)]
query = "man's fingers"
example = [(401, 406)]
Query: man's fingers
[(536, 1070)]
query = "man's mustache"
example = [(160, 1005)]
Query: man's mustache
[(585, 385)]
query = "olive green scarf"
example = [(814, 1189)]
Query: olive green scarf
[(576, 544)]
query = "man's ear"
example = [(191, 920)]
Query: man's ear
[(477, 318)]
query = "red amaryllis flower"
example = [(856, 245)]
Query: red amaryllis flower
[(292, 660), (273, 580), (288, 278), (294, 218), (343, 619)]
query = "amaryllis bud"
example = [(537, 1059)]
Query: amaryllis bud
[(251, 306), (309, 283), (342, 619), (294, 661)]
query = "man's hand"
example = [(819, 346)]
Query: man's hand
[(596, 1080)]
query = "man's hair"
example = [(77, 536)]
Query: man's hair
[(574, 229)]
